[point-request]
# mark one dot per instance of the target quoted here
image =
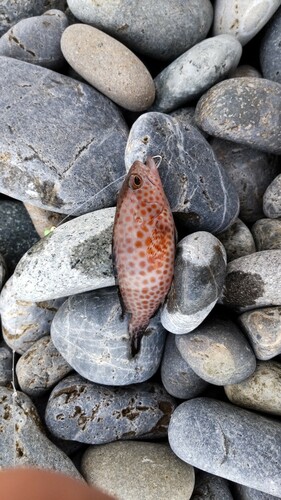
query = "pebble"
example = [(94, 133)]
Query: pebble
[(74, 258), (95, 414), (261, 391), (187, 77), (251, 172), (36, 40), (91, 335), (186, 116), (263, 329), (243, 110), (218, 352), (177, 377), (5, 364), (237, 240), (229, 442), (198, 281), (242, 18), (271, 199), (41, 367), (151, 469), (244, 70), (44, 220), (109, 66), (160, 29), (197, 187), (55, 135), (210, 487), (267, 234), (270, 58), (246, 493)]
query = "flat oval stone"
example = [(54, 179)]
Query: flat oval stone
[(43, 220), (151, 468), (198, 281), (263, 329), (197, 187), (209, 487), (5, 364), (218, 352), (74, 258), (243, 110), (187, 77), (229, 442), (109, 66), (89, 332), (243, 18), (271, 199), (270, 58), (95, 414), (160, 29), (267, 234), (177, 377), (55, 135), (237, 240)]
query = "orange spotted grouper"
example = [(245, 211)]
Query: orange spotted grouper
[(143, 246)]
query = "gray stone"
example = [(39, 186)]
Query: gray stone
[(91, 335), (210, 487), (246, 493), (36, 40), (251, 172), (229, 442), (198, 281), (44, 220), (23, 322), (253, 281), (272, 200), (152, 470), (74, 258), (187, 77), (186, 116), (160, 29), (5, 364), (109, 66), (3, 270), (55, 137), (263, 329), (243, 18), (261, 391), (243, 110), (197, 187), (177, 377), (244, 70), (237, 240), (270, 57), (218, 352), (23, 442), (95, 414), (267, 234)]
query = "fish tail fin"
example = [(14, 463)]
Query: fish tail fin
[(136, 334)]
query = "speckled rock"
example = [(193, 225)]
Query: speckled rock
[(218, 352), (229, 442), (91, 335), (198, 280), (187, 77), (272, 200), (44, 220), (177, 377), (243, 110), (267, 234), (197, 187), (23, 441), (74, 258), (159, 29), (261, 391), (55, 166), (5, 364), (109, 66), (254, 281), (270, 57), (237, 240), (246, 493), (36, 40), (245, 70), (251, 172), (151, 469), (263, 329), (210, 487), (96, 414), (242, 18)]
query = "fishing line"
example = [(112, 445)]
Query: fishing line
[(160, 160)]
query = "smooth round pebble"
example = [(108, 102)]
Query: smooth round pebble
[(237, 240), (151, 468), (244, 70), (263, 329), (5, 364), (210, 487), (272, 199), (267, 234), (270, 56), (43, 220)]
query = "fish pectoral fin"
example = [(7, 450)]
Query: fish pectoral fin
[(122, 305), (136, 335)]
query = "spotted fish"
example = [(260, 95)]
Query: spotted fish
[(143, 246)]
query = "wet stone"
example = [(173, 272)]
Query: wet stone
[(267, 234), (218, 352), (44, 220), (270, 57), (272, 200), (263, 329), (237, 240), (198, 281), (91, 335), (5, 364), (210, 487), (95, 414)]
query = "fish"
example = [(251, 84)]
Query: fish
[(143, 247)]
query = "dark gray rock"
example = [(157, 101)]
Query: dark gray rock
[(267, 234), (159, 29), (218, 352), (210, 487), (197, 187), (177, 377), (96, 414), (246, 493), (5, 364), (237, 240), (55, 137), (243, 110), (198, 281), (270, 56), (229, 442), (91, 335), (245, 70), (3, 270), (186, 116), (263, 329), (272, 200)]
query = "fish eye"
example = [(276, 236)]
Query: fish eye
[(135, 181)]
